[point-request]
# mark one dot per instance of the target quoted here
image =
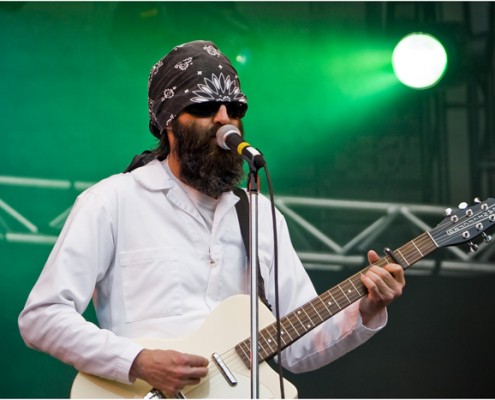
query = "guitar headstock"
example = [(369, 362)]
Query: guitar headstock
[(465, 223)]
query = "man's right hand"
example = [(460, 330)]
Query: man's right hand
[(168, 370)]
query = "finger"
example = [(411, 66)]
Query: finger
[(397, 273), (189, 382), (379, 274), (373, 256), (370, 285), (195, 360), (195, 372), (382, 283)]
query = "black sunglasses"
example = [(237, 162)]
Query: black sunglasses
[(235, 109)]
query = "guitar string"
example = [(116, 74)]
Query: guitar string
[(409, 253), (214, 369)]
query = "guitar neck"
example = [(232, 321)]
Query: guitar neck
[(310, 315)]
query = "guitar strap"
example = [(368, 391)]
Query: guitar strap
[(242, 208)]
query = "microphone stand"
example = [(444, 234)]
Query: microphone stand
[(253, 189)]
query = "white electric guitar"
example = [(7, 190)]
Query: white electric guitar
[(222, 339)]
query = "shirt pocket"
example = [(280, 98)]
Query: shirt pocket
[(151, 283)]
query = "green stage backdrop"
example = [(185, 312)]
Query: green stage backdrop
[(325, 109)]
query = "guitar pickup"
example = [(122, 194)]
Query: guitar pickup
[(229, 377)]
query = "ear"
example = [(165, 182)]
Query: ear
[(171, 138)]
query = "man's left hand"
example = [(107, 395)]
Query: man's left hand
[(384, 286)]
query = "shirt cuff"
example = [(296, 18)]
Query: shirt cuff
[(377, 322), (123, 374)]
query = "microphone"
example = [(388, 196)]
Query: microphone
[(229, 138)]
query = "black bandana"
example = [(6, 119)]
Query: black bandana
[(193, 72)]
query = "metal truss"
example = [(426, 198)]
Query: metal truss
[(18, 227), (334, 256), (326, 254)]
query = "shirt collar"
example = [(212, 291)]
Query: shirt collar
[(152, 176)]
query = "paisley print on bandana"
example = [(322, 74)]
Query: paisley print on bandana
[(218, 88), (184, 64)]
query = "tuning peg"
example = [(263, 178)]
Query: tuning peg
[(448, 212), (463, 205), (486, 238), (473, 247), (484, 206)]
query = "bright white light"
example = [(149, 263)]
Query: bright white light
[(419, 60)]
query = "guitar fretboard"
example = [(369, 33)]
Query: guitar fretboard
[(310, 315)]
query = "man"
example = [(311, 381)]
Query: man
[(157, 249)]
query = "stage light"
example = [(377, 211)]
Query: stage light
[(419, 60)]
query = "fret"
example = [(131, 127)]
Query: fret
[(317, 313), (350, 290), (405, 262), (325, 307), (265, 344), (344, 293), (287, 319), (358, 290), (334, 301), (419, 251), (283, 334), (295, 314), (330, 303), (243, 353), (308, 318), (272, 332), (286, 328), (416, 249)]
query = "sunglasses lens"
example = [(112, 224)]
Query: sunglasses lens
[(208, 109), (236, 110), (202, 109)]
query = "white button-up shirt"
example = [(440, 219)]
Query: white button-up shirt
[(136, 244)]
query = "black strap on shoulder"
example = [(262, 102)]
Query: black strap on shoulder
[(242, 208)]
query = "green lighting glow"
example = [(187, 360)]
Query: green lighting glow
[(419, 60)]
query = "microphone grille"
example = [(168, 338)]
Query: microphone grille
[(225, 131)]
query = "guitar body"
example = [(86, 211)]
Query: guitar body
[(226, 326)]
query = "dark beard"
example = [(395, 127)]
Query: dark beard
[(203, 164)]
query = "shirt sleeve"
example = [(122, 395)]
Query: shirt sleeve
[(52, 319), (333, 338)]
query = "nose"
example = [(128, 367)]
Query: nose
[(222, 116)]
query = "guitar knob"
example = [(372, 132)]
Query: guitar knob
[(448, 212), (466, 235), (463, 205), (469, 213), (477, 200)]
